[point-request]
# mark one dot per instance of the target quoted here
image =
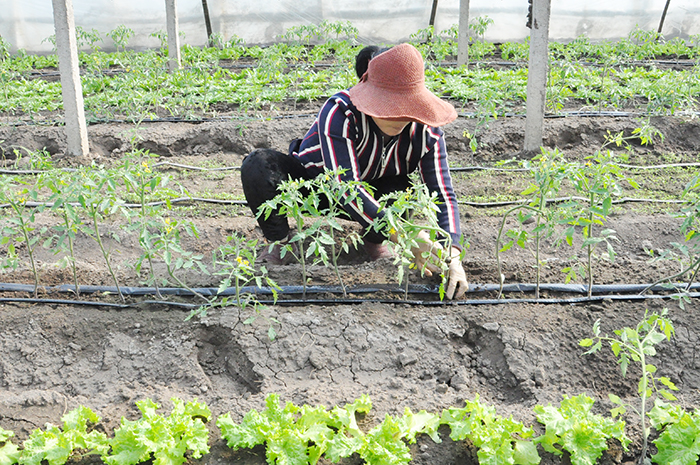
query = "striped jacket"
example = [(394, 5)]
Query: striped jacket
[(343, 137)]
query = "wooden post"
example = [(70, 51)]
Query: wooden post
[(173, 37), (463, 34), (537, 75), (71, 88)]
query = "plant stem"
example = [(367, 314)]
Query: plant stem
[(30, 250), (105, 254), (72, 252), (589, 249)]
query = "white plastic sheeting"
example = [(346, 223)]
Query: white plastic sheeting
[(27, 23)]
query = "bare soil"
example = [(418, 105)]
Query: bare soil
[(514, 354)]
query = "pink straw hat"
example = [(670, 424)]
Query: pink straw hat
[(393, 88)]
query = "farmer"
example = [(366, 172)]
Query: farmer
[(380, 130)]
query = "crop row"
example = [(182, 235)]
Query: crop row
[(299, 435), (564, 202), (234, 78)]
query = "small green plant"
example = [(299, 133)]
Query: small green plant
[(548, 170), (302, 435), (599, 180), (98, 198), (409, 220), (16, 192), (164, 440), (497, 440), (679, 439), (9, 452), (144, 182), (55, 445), (574, 428), (120, 36), (637, 345), (167, 246), (238, 273)]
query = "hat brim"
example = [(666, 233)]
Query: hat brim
[(417, 104)]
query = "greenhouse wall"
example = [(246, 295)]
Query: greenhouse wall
[(28, 23)]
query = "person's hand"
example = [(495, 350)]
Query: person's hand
[(457, 284), (427, 254)]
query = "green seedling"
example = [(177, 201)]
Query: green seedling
[(690, 213), (163, 440), (235, 263), (166, 245), (56, 445), (599, 180), (144, 182), (497, 440), (64, 190), (16, 193), (638, 344), (315, 205), (574, 428), (412, 233), (679, 439), (98, 198), (548, 171)]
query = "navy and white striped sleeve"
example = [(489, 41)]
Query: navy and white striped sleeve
[(436, 175), (337, 132)]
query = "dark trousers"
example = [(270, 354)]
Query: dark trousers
[(265, 169)]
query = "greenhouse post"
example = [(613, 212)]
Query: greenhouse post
[(173, 37), (537, 74), (66, 44)]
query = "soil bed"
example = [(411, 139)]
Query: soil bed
[(514, 355)]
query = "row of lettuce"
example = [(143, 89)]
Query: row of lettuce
[(303, 434)]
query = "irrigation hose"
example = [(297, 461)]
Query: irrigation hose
[(605, 292)]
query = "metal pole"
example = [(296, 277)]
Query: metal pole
[(71, 87), (663, 16), (207, 22), (463, 34), (431, 23), (173, 36), (537, 75)]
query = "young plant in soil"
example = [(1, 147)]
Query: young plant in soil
[(303, 435), (690, 213), (167, 246), (339, 194), (679, 439), (411, 235), (141, 180), (548, 171), (498, 440), (315, 205), (160, 439), (636, 345), (238, 273), (63, 201), (16, 192), (98, 198), (574, 428), (599, 180)]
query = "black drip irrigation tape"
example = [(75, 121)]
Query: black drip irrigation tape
[(602, 292)]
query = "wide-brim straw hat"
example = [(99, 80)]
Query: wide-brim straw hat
[(393, 88)]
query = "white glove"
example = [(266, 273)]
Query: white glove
[(427, 254), (457, 283)]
